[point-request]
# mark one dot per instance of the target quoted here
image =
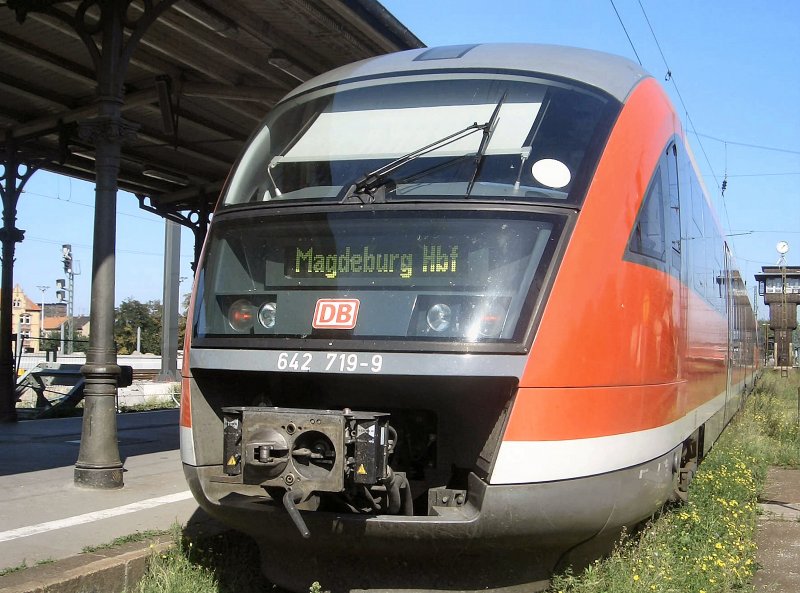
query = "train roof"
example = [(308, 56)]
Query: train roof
[(613, 74)]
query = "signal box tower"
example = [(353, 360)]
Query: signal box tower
[(780, 287)]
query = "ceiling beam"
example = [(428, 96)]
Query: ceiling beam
[(268, 95), (181, 27), (23, 89), (211, 189), (168, 143), (47, 124), (35, 54), (203, 125), (265, 34), (151, 64), (330, 29), (379, 42)]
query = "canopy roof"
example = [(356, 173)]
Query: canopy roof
[(204, 74)]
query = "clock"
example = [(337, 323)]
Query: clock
[(782, 247)]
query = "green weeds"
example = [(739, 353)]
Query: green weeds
[(222, 563), (21, 566), (138, 536), (708, 544)]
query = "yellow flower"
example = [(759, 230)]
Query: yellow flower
[(636, 577)]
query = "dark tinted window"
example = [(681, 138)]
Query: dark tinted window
[(648, 236), (462, 277)]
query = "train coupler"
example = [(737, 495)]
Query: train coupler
[(308, 451)]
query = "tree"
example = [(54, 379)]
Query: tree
[(51, 341), (132, 315), (182, 319)]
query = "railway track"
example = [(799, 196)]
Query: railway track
[(145, 374)]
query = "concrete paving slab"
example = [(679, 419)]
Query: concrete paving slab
[(110, 571), (778, 556), (44, 516), (34, 445), (778, 535)]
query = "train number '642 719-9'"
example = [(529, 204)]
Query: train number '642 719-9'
[(340, 362)]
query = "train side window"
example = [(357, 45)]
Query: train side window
[(697, 198), (648, 236)]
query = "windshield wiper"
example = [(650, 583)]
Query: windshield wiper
[(365, 189), (488, 131)]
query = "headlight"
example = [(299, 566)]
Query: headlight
[(439, 317), (266, 315), (241, 315), (491, 320)]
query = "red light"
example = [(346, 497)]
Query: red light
[(241, 315)]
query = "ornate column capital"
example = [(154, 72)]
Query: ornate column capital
[(107, 129)]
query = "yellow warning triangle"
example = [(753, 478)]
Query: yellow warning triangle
[(232, 460), (361, 471)]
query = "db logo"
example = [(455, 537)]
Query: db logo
[(335, 314)]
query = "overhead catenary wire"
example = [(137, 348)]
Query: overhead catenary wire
[(764, 174), (671, 78), (633, 47), (746, 144), (187, 257), (90, 206)]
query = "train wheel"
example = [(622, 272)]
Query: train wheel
[(690, 458)]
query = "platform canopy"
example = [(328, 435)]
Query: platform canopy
[(202, 77)]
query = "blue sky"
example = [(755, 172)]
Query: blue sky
[(736, 65)]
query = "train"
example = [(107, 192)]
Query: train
[(463, 315)]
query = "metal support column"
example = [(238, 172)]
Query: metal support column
[(111, 40), (99, 464), (169, 314), (15, 176)]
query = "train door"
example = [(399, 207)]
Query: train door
[(731, 317), (676, 251)]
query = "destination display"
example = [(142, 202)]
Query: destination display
[(452, 275), (426, 259), (398, 251)]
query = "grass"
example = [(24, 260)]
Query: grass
[(708, 545), (11, 569), (222, 563), (126, 539), (23, 565), (150, 405), (704, 546)]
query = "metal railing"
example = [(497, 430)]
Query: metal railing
[(30, 350)]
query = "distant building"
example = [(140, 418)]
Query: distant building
[(56, 323), (26, 320), (55, 310)]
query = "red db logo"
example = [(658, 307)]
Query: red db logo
[(335, 314)]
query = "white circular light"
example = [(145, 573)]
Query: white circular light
[(266, 315), (241, 315), (551, 173), (439, 317), (782, 247)]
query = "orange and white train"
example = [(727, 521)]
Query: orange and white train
[(462, 315)]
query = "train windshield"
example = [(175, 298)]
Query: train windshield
[(498, 136), (458, 276)]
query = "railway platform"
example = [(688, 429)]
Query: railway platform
[(44, 517), (778, 536)]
